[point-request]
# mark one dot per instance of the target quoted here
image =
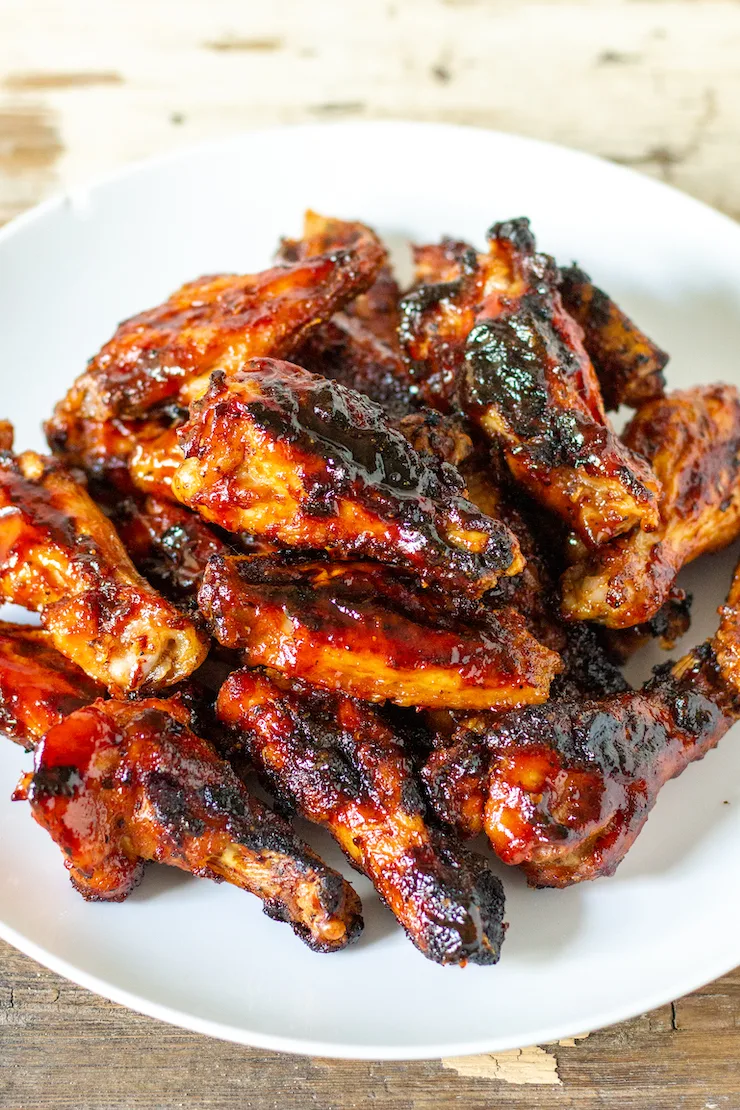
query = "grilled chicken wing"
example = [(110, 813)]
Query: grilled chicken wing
[(38, 685), (61, 556), (119, 783), (437, 316), (160, 360), (279, 453), (628, 365), (498, 340), (692, 439), (563, 789), (357, 629), (339, 765)]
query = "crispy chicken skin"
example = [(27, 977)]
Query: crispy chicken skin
[(38, 686), (336, 762), (305, 462), (60, 556), (495, 341), (692, 439), (628, 365), (563, 789), (119, 783), (354, 628)]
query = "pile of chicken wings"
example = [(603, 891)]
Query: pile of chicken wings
[(382, 552)]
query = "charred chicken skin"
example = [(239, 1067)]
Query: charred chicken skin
[(628, 365), (692, 439), (60, 556), (305, 462), (336, 762), (119, 783), (38, 685), (507, 353), (564, 789), (354, 629)]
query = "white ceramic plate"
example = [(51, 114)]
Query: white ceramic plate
[(203, 956)]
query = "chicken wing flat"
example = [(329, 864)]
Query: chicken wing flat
[(60, 556), (564, 789), (336, 762), (629, 366), (276, 452), (119, 783), (356, 629), (692, 439), (497, 338), (217, 323), (38, 686)]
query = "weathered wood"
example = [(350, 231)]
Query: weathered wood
[(61, 1047), (84, 88)]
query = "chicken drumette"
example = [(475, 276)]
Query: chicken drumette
[(61, 556), (303, 461), (338, 763), (119, 783)]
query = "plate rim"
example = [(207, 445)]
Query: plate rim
[(238, 1034)]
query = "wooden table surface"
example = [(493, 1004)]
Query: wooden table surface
[(88, 85)]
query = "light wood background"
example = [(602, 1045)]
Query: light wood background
[(88, 85)]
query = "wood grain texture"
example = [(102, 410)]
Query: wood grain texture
[(61, 1047), (86, 87)]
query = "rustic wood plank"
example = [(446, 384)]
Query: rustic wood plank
[(62, 1047), (86, 87)]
